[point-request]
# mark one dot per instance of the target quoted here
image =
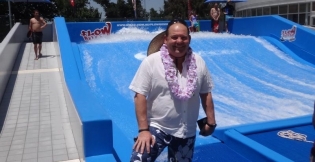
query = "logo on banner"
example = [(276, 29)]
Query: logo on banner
[(289, 34), (99, 32)]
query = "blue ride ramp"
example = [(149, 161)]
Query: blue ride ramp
[(244, 64), (256, 78), (293, 149), (268, 141), (96, 126)]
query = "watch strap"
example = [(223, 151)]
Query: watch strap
[(211, 125), (146, 129)]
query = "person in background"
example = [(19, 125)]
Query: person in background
[(228, 11), (36, 26), (215, 15), (193, 21), (169, 86)]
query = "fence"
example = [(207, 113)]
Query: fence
[(4, 26)]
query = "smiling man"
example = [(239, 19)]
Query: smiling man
[(168, 87)]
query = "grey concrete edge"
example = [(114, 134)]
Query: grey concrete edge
[(75, 120), (9, 48)]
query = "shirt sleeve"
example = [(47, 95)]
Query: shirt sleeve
[(206, 80), (141, 82)]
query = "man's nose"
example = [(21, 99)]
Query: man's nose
[(179, 39)]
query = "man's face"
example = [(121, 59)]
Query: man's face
[(177, 40), (215, 5), (36, 14)]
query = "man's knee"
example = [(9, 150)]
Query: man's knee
[(145, 156)]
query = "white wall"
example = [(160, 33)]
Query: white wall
[(9, 48), (262, 3)]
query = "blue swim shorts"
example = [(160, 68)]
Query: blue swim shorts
[(196, 25)]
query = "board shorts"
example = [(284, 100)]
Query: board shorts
[(37, 37), (215, 26), (179, 149), (196, 25)]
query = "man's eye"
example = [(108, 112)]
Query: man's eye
[(174, 37), (182, 38)]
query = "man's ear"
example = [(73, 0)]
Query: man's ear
[(165, 39)]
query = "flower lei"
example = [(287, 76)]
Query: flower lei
[(171, 77)]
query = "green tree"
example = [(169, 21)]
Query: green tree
[(111, 10), (153, 13), (202, 9), (122, 10), (179, 8), (175, 9), (81, 11), (23, 11)]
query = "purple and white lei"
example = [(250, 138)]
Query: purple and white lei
[(171, 78)]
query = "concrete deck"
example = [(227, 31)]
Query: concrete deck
[(34, 119)]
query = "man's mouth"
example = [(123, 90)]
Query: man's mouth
[(179, 47)]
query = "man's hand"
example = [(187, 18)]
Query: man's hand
[(144, 140), (206, 130)]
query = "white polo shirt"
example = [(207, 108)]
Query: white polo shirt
[(164, 111)]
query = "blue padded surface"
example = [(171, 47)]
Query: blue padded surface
[(292, 149), (216, 152), (101, 158)]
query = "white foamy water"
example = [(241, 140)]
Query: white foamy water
[(90, 77), (281, 54), (125, 35), (141, 55), (135, 34)]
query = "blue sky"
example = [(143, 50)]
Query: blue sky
[(156, 4), (148, 4)]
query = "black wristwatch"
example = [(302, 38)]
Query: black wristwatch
[(211, 125), (146, 129)]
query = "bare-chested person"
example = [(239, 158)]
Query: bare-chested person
[(37, 24), (215, 15)]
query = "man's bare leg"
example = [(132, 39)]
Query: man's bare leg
[(35, 49), (39, 50)]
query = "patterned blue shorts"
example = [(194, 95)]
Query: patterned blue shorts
[(179, 149)]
